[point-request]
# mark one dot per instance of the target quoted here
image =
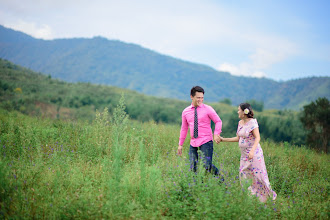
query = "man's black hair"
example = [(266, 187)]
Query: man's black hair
[(196, 89)]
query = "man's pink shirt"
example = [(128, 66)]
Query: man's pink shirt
[(205, 114)]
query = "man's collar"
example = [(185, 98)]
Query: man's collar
[(201, 106)]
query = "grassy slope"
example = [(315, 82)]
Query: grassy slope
[(119, 169)]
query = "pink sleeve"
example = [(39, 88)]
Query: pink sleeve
[(184, 130), (253, 125), (217, 121)]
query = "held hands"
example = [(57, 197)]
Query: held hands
[(217, 139)]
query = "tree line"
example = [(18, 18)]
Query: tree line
[(21, 89)]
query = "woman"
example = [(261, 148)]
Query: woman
[(252, 164)]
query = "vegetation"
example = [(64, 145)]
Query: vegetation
[(316, 120), (226, 101), (109, 62), (88, 151), (36, 94), (116, 168), (257, 105)]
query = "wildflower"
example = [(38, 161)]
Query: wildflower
[(18, 90)]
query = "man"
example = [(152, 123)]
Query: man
[(197, 117)]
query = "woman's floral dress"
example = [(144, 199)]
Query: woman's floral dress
[(254, 169)]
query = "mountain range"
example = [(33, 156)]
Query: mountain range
[(111, 62)]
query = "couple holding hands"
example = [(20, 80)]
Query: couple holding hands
[(197, 117)]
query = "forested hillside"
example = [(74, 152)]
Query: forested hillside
[(39, 95), (109, 62)]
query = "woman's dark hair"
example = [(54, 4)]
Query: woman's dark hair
[(196, 89), (244, 106)]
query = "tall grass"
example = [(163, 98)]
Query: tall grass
[(116, 168)]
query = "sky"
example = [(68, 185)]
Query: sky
[(279, 39)]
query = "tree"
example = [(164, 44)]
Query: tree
[(316, 119), (256, 105), (226, 101)]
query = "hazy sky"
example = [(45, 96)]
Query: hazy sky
[(279, 39)]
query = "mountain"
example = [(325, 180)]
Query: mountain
[(111, 62)]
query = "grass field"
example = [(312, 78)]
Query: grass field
[(116, 168)]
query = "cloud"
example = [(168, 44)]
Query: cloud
[(243, 69), (42, 31), (269, 51), (256, 65)]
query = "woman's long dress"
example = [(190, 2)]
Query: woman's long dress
[(254, 169)]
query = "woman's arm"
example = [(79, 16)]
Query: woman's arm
[(233, 139), (256, 134)]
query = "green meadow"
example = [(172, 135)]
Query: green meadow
[(117, 168)]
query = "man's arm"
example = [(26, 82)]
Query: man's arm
[(183, 134), (218, 125), (217, 121)]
